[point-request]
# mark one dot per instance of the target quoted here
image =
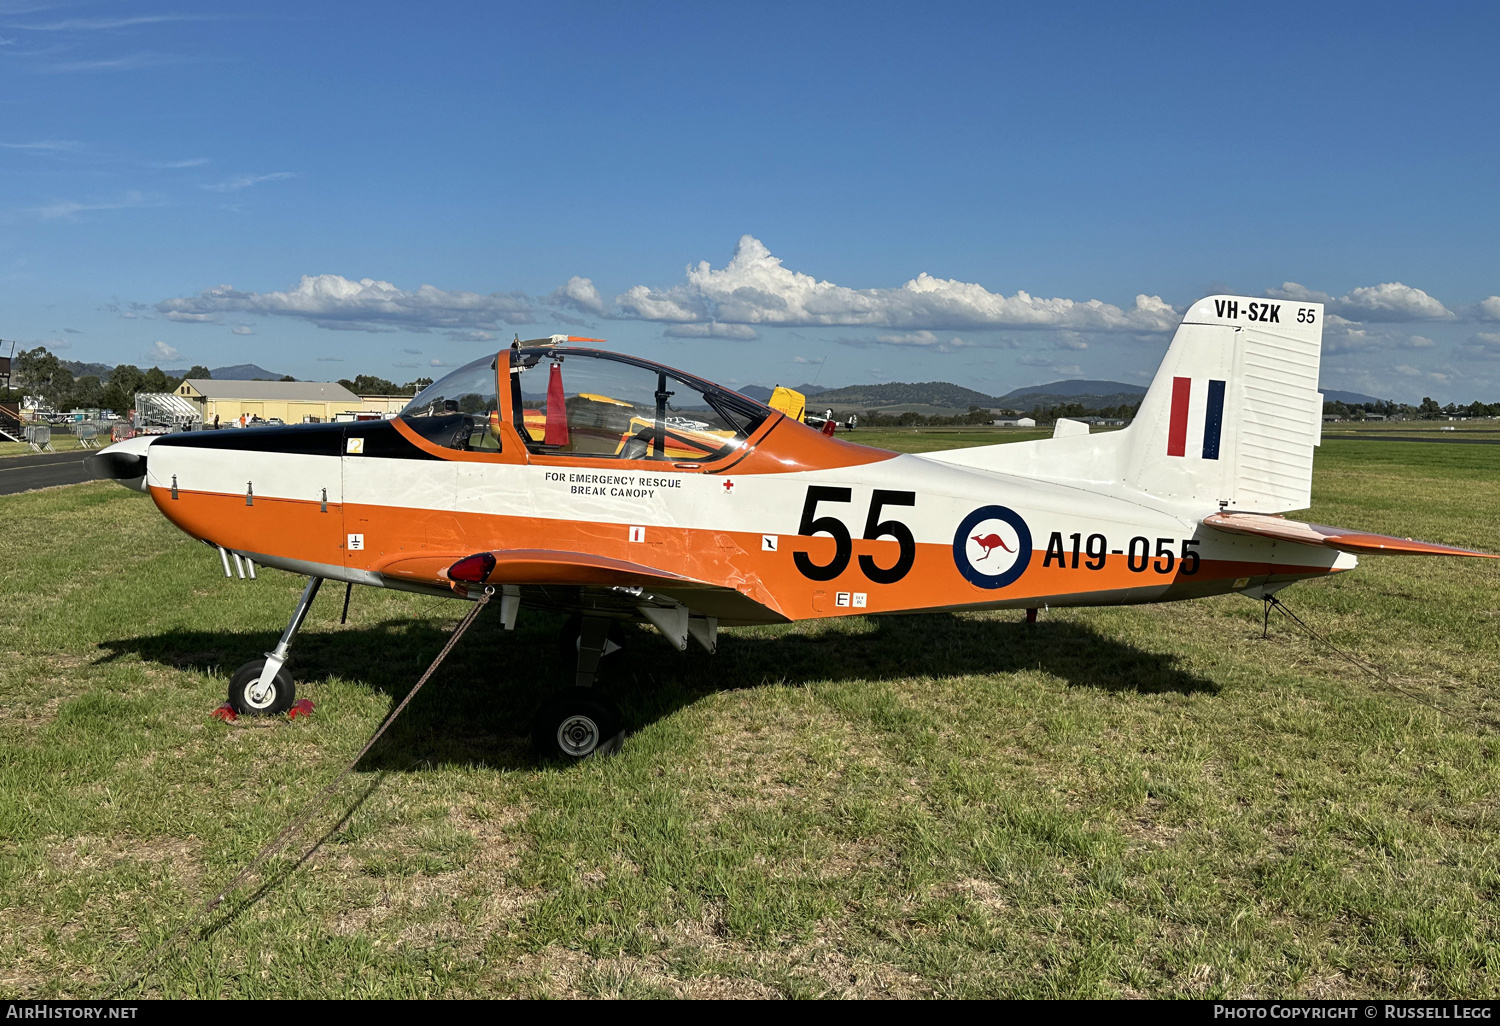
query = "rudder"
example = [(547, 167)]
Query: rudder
[(1234, 413)]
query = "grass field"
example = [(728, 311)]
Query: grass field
[(1136, 801), (60, 442)]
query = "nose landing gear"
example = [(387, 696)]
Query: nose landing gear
[(249, 698), (263, 687)]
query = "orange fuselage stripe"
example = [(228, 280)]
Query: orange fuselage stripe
[(300, 530)]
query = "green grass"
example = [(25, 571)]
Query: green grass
[(1134, 801), (60, 442)]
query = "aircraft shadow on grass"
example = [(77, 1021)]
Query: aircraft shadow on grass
[(477, 708)]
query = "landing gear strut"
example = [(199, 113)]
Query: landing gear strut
[(263, 687), (578, 721)]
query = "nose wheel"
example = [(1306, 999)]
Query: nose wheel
[(263, 687), (576, 723), (249, 697)]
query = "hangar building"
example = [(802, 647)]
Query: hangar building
[(294, 402)]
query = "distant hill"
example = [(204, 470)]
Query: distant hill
[(1093, 394), (239, 372), (901, 393), (1333, 395), (80, 369), (1073, 388), (937, 396)]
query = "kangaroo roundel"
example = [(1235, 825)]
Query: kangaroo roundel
[(992, 547)]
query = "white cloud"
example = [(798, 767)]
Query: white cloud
[(1417, 342), (578, 293), (70, 209), (754, 288), (1483, 346), (243, 329), (130, 62), (713, 329), (1488, 309), (161, 351), (472, 335), (910, 338), (239, 182), (1391, 301), (99, 24), (1435, 377), (335, 302), (1065, 370), (46, 146)]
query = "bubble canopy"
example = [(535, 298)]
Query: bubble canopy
[(457, 411), (470, 389), (570, 402)]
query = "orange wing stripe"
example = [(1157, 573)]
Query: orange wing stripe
[(1266, 525)]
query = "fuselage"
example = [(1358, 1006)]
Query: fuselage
[(793, 525)]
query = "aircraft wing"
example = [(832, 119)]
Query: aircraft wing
[(559, 568), (551, 566), (1266, 525)]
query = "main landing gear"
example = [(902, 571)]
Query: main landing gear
[(578, 721), (573, 724), (263, 687)]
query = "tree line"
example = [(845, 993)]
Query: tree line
[(369, 384), (39, 373), (1428, 409), (983, 415)]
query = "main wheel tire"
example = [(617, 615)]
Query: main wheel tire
[(277, 699), (576, 723)]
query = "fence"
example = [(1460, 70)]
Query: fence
[(39, 437)]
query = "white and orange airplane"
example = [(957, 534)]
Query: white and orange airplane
[(614, 488)]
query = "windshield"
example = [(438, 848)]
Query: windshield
[(459, 411), (588, 403)]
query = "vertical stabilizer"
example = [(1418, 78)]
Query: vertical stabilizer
[(1234, 412)]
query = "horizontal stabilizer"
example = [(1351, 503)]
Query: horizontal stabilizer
[(1264, 525)]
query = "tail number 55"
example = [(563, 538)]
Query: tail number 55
[(844, 545)]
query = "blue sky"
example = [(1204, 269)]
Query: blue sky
[(988, 194)]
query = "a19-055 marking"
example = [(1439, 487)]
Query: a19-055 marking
[(1074, 552)]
